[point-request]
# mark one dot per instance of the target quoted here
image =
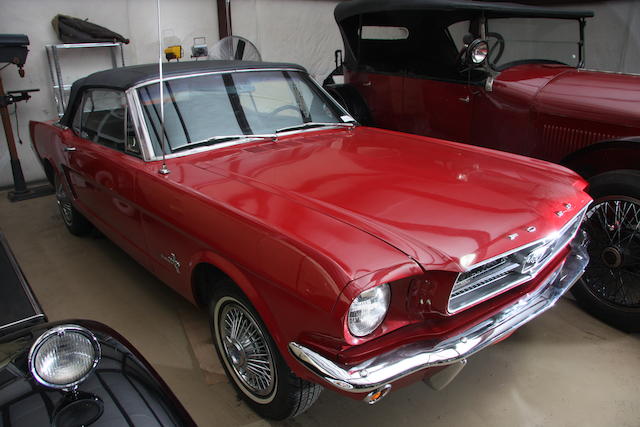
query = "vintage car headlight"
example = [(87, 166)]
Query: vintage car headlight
[(64, 356), (368, 310), (478, 51)]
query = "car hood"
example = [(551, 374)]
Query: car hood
[(444, 204)]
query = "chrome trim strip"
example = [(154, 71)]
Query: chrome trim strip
[(624, 73), (25, 320), (207, 73), (414, 357), (135, 109)]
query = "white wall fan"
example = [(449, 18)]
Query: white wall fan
[(235, 47)]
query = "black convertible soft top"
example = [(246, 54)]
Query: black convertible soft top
[(490, 10), (125, 77)]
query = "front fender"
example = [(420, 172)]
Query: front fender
[(241, 278)]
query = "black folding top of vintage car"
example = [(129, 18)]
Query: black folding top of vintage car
[(490, 10), (125, 77)]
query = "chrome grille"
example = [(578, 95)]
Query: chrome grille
[(509, 270)]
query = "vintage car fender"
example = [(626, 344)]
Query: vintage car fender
[(123, 385), (620, 154)]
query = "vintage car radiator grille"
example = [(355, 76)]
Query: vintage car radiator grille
[(560, 140), (509, 270)]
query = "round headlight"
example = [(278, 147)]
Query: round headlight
[(368, 310), (479, 51), (64, 356)]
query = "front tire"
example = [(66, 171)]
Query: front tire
[(610, 287), (251, 359), (75, 222)]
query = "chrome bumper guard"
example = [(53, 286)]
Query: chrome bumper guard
[(388, 367)]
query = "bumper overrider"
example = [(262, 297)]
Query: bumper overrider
[(376, 374)]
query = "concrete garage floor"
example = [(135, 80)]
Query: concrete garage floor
[(563, 369)]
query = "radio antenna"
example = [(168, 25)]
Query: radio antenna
[(163, 170)]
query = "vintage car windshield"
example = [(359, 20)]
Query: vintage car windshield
[(205, 109), (535, 39)]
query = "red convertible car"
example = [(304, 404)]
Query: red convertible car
[(328, 253), (509, 77)]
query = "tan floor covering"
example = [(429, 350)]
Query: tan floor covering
[(563, 369)]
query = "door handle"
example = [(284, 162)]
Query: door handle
[(366, 84), (466, 99), (68, 149)]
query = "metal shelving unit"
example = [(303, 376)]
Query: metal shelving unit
[(60, 89)]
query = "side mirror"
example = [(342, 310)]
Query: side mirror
[(477, 52)]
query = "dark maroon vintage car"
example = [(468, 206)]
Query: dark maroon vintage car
[(509, 77)]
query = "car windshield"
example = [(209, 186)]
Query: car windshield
[(214, 108), (534, 40)]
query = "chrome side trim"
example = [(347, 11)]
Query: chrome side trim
[(411, 358)]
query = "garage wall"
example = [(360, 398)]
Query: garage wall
[(134, 19), (301, 31), (613, 36), (305, 32)]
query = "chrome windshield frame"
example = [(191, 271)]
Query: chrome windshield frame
[(142, 132)]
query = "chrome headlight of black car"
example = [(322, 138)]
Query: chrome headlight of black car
[(64, 356)]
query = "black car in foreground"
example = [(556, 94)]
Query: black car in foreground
[(74, 372)]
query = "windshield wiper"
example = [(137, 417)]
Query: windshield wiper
[(224, 138), (313, 125)]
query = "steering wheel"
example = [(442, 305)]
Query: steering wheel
[(497, 47), (284, 108)]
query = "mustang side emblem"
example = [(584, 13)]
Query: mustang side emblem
[(171, 259)]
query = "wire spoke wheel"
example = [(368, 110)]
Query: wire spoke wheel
[(64, 204), (246, 350), (613, 275)]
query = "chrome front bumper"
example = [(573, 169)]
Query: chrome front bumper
[(374, 373)]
